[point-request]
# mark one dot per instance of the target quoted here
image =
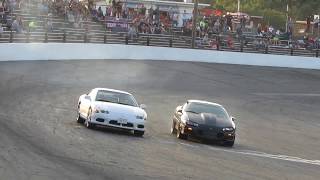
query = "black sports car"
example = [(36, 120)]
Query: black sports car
[(205, 120)]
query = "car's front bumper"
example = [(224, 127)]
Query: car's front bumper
[(209, 133), (130, 124)]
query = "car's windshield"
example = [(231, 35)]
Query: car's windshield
[(116, 97), (198, 108)]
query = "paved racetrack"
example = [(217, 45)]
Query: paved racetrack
[(277, 111)]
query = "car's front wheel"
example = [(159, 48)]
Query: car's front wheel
[(180, 135), (138, 133), (79, 118), (87, 122), (229, 143)]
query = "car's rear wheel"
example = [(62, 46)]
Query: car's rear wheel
[(79, 118), (173, 129), (87, 122), (180, 135), (138, 133)]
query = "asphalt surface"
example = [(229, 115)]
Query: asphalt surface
[(277, 111)]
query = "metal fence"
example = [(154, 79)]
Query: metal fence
[(217, 42)]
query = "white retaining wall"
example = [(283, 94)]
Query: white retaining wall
[(76, 51)]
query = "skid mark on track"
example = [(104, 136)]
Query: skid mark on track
[(247, 153)]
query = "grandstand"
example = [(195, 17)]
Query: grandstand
[(91, 31)]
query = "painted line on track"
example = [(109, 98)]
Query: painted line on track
[(289, 94), (271, 156), (186, 144), (248, 153)]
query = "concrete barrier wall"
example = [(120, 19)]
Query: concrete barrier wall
[(76, 51)]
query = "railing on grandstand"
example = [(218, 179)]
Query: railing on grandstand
[(216, 42)]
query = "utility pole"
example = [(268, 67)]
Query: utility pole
[(287, 19), (194, 23), (318, 25)]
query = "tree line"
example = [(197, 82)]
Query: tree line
[(273, 11)]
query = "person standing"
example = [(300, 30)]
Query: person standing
[(150, 13), (290, 28), (157, 15), (308, 24), (259, 30), (2, 13), (1, 30), (242, 22), (229, 21), (184, 18), (175, 19)]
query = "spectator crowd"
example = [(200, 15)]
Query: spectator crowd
[(142, 20)]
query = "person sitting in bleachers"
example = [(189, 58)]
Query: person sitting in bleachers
[(70, 16), (43, 7), (48, 23), (19, 3), (94, 14), (32, 26), (132, 33), (8, 21), (1, 30), (213, 44), (2, 13), (230, 42), (12, 5), (17, 25), (60, 7), (100, 14)]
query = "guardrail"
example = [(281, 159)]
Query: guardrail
[(220, 43), (92, 37)]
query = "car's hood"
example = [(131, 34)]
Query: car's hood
[(209, 119), (120, 109)]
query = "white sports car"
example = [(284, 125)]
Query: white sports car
[(114, 108)]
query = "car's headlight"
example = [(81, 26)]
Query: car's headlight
[(101, 111), (230, 129), (104, 111), (190, 123), (139, 117)]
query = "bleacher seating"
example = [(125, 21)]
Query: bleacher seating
[(96, 32)]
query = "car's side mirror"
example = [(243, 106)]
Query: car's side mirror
[(143, 106), (87, 97), (233, 118)]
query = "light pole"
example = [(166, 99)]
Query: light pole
[(194, 23), (238, 7)]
